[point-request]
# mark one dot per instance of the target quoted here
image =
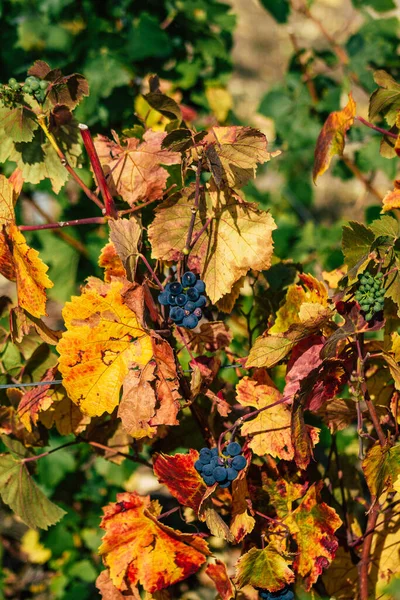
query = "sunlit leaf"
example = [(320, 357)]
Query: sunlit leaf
[(266, 569), (385, 100), (331, 140), (217, 572), (381, 467), (140, 549)]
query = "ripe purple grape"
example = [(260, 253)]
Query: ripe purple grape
[(181, 299), (220, 474), (175, 287), (190, 322), (205, 456), (239, 462), (233, 449), (163, 298), (198, 313), (200, 286), (208, 469), (202, 301), (225, 484), (208, 480), (198, 465), (193, 294), (189, 306), (171, 299), (189, 279), (231, 473), (177, 314)]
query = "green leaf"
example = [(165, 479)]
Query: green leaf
[(356, 245), (17, 124), (279, 9), (378, 5), (147, 39), (265, 569), (21, 493), (386, 226), (386, 99), (381, 467)]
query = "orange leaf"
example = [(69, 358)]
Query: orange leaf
[(151, 396), (35, 400), (331, 139), (242, 522), (102, 341), (19, 262), (391, 200), (138, 548), (108, 590), (111, 262), (181, 478), (217, 572), (135, 167), (313, 525), (270, 429)]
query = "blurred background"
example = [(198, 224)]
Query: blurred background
[(281, 66)]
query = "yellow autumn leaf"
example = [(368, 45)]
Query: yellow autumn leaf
[(35, 551), (102, 341), (220, 101)]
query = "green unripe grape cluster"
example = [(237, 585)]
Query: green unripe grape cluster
[(370, 294), (36, 87)]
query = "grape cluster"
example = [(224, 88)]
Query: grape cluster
[(14, 90), (284, 594), (370, 294), (185, 300), (220, 469)]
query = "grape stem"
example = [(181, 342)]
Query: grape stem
[(61, 224), (111, 211), (63, 159), (152, 273), (378, 129)]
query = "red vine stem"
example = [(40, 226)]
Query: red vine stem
[(200, 233), (152, 273), (65, 163), (375, 128), (61, 224), (111, 211)]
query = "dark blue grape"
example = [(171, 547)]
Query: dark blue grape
[(231, 473), (202, 301), (214, 462), (189, 306), (190, 322), (239, 462), (189, 279), (163, 298), (175, 287), (234, 449), (198, 465), (171, 299), (264, 594), (214, 451), (181, 299), (208, 479), (225, 484), (220, 474), (177, 314), (225, 451), (198, 313), (200, 286), (192, 294), (208, 469), (205, 456)]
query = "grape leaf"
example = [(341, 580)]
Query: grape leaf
[(313, 524), (331, 139), (108, 590), (64, 414), (151, 395), (103, 339), (356, 245), (297, 300), (385, 100), (21, 493), (125, 234), (17, 124), (391, 200), (210, 336), (19, 262), (242, 522), (134, 168), (266, 569), (217, 572), (270, 429), (385, 564), (233, 154), (341, 579), (35, 400), (238, 237), (140, 549), (181, 478), (65, 89), (111, 263), (381, 468), (283, 493)]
